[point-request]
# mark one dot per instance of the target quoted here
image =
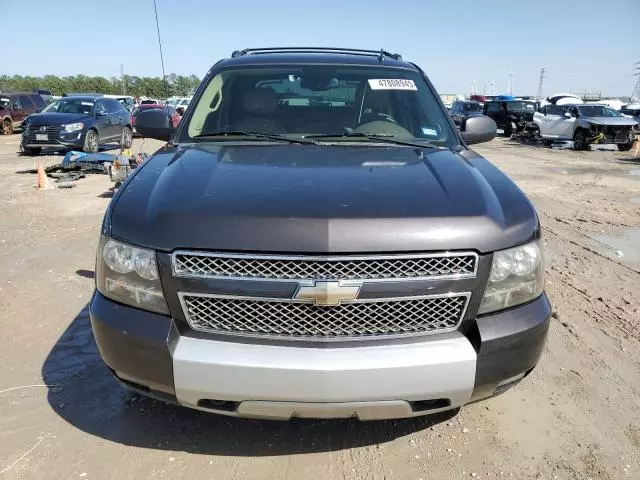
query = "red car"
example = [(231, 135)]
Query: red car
[(175, 116)]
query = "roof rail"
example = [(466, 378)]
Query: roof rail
[(381, 54)]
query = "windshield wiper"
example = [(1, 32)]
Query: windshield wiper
[(379, 137), (232, 133)]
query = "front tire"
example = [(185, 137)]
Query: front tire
[(126, 138), (580, 140), (91, 142), (32, 150), (625, 147), (508, 130)]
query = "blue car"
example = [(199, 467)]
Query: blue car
[(77, 122)]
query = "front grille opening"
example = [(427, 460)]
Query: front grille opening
[(317, 268), (426, 405), (305, 320), (221, 405)]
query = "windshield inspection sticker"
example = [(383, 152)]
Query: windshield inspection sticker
[(392, 84), (429, 132)]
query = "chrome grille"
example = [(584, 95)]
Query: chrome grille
[(385, 267), (362, 318), (52, 131)]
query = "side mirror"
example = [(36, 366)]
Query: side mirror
[(15, 106), (154, 124), (478, 129), (567, 115), (101, 114)]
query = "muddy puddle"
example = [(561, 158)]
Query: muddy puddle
[(624, 246)]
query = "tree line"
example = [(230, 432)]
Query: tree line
[(177, 85)]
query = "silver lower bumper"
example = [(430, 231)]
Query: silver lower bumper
[(370, 382)]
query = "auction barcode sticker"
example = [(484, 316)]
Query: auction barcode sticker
[(392, 84)]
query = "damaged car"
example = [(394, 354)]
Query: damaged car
[(585, 124), (512, 116)]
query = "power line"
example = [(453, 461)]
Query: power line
[(164, 77), (543, 75)]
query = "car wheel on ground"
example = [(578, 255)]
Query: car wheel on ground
[(580, 140), (126, 138), (32, 150), (91, 142), (625, 147), (508, 130), (7, 128)]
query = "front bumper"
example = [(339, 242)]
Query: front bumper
[(55, 140), (386, 380)]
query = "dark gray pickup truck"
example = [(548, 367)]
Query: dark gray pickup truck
[(317, 239)]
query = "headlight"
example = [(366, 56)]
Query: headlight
[(73, 127), (517, 276), (129, 275)]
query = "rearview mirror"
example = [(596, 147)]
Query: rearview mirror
[(478, 129), (154, 124)]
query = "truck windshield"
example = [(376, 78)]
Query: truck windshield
[(70, 106), (472, 107), (521, 106), (597, 111), (319, 101)]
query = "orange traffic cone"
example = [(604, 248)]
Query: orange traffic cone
[(42, 177)]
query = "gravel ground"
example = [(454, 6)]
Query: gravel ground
[(576, 417)]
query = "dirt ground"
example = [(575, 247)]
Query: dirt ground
[(576, 417)]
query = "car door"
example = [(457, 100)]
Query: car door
[(493, 110), (21, 108), (567, 126), (454, 113), (103, 121), (118, 115), (557, 125)]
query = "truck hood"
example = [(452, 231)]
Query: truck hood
[(55, 118), (316, 199), (611, 121)]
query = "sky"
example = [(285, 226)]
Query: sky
[(583, 44)]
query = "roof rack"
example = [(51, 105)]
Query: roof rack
[(381, 54)]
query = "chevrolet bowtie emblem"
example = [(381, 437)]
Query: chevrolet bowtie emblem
[(328, 294)]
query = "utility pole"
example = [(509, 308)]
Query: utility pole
[(635, 96), (124, 86), (510, 84), (543, 75)]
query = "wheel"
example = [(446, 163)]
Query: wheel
[(625, 147), (580, 140), (507, 130), (126, 138), (32, 150), (7, 128), (546, 142), (91, 142)]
